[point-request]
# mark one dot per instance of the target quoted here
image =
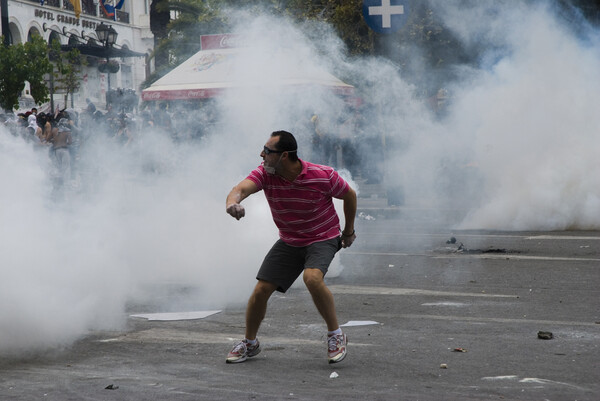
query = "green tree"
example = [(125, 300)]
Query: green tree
[(438, 50), (20, 63), (194, 18), (66, 69), (344, 15)]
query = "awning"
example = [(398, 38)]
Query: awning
[(101, 51), (209, 73)]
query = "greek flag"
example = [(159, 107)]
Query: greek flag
[(110, 8)]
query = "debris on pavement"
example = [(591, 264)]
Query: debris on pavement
[(359, 323), (111, 387), (333, 375), (459, 247), (443, 366), (459, 350), (191, 315), (463, 249), (364, 216), (545, 335)]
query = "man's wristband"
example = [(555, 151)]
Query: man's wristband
[(348, 235)]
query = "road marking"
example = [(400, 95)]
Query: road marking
[(496, 320), (397, 234), (510, 377), (533, 380), (456, 235), (515, 257), (476, 255), (366, 290), (562, 237), (382, 253), (454, 304)]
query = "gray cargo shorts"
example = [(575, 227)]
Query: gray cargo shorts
[(284, 263)]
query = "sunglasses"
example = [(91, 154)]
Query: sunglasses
[(269, 151)]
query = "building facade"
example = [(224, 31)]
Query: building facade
[(57, 19)]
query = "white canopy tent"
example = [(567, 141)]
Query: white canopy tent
[(209, 73)]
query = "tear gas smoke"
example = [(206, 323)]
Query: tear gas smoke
[(516, 150), (527, 120)]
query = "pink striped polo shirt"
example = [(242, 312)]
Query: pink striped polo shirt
[(303, 209)]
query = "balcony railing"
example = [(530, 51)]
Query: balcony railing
[(87, 8), (51, 3), (68, 6), (123, 16)]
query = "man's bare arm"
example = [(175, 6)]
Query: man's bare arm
[(350, 204), (240, 192)]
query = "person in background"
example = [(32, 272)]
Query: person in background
[(60, 145), (300, 195), (91, 107), (34, 131), (47, 131)]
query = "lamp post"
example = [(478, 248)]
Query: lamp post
[(107, 35), (5, 27)]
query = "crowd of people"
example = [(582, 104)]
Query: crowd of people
[(63, 132), (124, 127), (335, 141), (57, 133)]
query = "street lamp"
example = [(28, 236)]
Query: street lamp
[(107, 35)]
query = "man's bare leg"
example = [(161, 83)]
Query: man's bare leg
[(257, 307), (322, 297)]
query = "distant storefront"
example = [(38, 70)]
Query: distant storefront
[(58, 19)]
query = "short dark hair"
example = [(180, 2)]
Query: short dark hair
[(287, 143)]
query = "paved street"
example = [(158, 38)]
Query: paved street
[(489, 297)]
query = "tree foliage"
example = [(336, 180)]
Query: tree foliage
[(194, 18), (424, 29), (66, 68), (344, 15), (23, 62)]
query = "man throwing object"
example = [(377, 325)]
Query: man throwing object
[(300, 195)]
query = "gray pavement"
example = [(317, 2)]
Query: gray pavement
[(490, 298)]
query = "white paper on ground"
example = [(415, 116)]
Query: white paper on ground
[(177, 315), (359, 323)]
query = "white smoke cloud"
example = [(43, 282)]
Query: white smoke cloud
[(147, 227), (531, 125), (516, 149)]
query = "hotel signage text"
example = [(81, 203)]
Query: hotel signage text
[(63, 18)]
